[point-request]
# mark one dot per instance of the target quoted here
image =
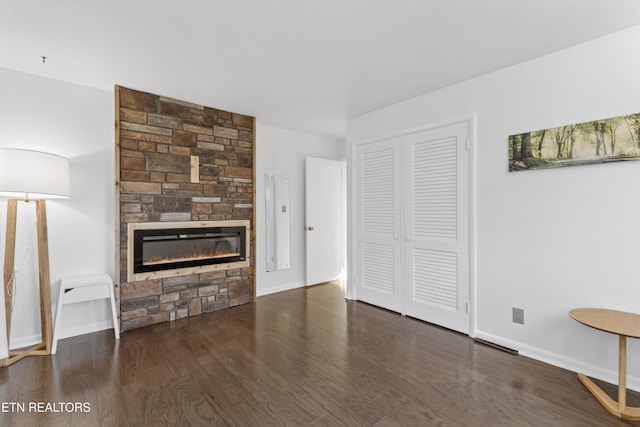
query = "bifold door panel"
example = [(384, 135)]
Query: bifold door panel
[(412, 214), (378, 224)]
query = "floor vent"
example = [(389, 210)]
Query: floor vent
[(496, 346)]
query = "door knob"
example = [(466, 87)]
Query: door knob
[(310, 228), (395, 236), (408, 238)]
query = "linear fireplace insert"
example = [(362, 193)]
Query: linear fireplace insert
[(175, 246)]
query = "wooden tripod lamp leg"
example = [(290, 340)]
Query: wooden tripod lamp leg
[(9, 260), (44, 347), (43, 274)]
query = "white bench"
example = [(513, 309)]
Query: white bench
[(81, 289)]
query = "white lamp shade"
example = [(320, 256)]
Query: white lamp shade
[(26, 174)]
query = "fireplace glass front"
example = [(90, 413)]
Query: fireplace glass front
[(172, 248)]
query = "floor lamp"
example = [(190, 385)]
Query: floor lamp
[(30, 176)]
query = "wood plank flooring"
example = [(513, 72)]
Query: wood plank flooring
[(305, 357)]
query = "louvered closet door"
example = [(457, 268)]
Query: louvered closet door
[(378, 259), (436, 242)]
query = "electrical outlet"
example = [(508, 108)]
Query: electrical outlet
[(518, 315)]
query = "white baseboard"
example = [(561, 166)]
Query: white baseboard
[(23, 342), (31, 340), (574, 365), (280, 288), (86, 329)]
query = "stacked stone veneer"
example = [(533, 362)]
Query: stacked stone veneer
[(157, 137)]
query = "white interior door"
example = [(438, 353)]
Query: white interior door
[(325, 216), (378, 228), (436, 222)]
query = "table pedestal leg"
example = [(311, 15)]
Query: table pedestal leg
[(622, 373), (619, 408)]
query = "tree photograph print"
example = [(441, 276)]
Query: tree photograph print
[(599, 141)]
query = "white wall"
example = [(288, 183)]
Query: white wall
[(551, 240), (76, 122), (283, 151)]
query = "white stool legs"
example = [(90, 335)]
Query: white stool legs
[(84, 288)]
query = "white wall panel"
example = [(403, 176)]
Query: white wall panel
[(549, 240), (283, 152), (76, 122)]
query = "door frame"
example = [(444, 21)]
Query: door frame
[(352, 243)]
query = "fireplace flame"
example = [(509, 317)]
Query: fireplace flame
[(220, 250), (194, 257)]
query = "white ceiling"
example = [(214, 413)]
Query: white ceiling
[(306, 65)]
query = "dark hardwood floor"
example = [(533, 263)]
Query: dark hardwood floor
[(302, 357)]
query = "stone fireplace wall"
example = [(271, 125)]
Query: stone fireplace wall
[(155, 139)]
